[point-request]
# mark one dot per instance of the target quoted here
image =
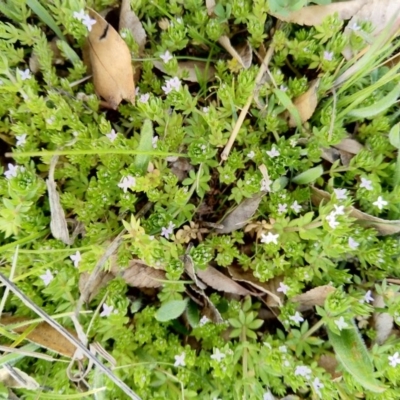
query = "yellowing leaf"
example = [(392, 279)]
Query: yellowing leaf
[(110, 60)]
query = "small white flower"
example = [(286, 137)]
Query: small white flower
[(144, 98), (354, 27), (251, 154), (296, 207), (394, 359), (166, 57), (317, 385), (283, 349), (107, 310), (76, 258), (266, 185), (293, 142), (204, 320), (297, 318), (79, 15), (218, 356), (283, 288), (127, 182), (340, 194), (283, 88), (47, 277), (341, 323), (12, 171), (368, 297), (206, 110), (180, 360), (166, 232), (331, 218), (339, 210), (282, 208), (154, 142), (112, 135), (366, 184), (171, 84), (88, 22), (24, 75), (274, 152), (270, 238), (380, 203), (268, 396), (302, 370), (353, 244), (21, 139), (328, 55)]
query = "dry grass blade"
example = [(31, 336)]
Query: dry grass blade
[(70, 337), (218, 281), (110, 60), (12, 377)]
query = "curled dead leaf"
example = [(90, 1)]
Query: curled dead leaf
[(305, 104), (243, 54), (110, 61), (218, 281), (209, 309), (313, 297), (100, 281), (383, 226), (190, 71), (350, 145)]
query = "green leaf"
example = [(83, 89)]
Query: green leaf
[(288, 104), (378, 107), (193, 314), (308, 176), (145, 144), (171, 310), (394, 136), (43, 14), (353, 355)]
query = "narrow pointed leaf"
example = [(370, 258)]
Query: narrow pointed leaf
[(171, 310)]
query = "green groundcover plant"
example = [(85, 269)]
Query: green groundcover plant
[(150, 176)]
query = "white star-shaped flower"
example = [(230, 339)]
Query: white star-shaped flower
[(88, 22), (394, 359), (127, 182), (366, 183), (79, 15), (270, 238), (331, 218), (76, 258), (296, 207), (380, 203), (274, 152), (107, 310), (206, 110), (317, 385), (282, 208), (144, 98), (12, 171), (339, 210), (204, 320), (24, 75), (328, 55), (341, 194), (171, 84), (112, 135), (283, 288), (353, 244), (303, 370), (47, 277), (368, 297), (266, 185), (341, 323), (166, 57), (297, 318), (180, 360), (251, 154), (21, 139), (218, 356), (283, 349), (166, 232), (283, 88)]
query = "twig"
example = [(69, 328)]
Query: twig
[(67, 335), (245, 109)]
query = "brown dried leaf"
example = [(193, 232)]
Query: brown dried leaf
[(58, 223), (274, 299), (188, 70), (43, 335), (330, 154), (110, 59), (349, 145), (313, 297), (225, 42), (315, 15), (218, 281), (209, 309), (329, 364), (383, 321), (383, 226), (140, 275), (380, 13), (189, 268), (240, 216), (101, 280), (245, 52), (129, 20), (210, 4), (24, 381), (306, 104)]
